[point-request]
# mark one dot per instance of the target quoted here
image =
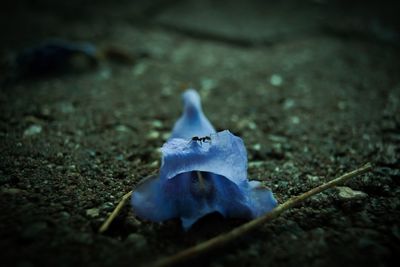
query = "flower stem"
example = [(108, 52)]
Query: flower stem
[(223, 239)]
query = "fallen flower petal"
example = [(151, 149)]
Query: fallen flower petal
[(224, 155), (199, 176)]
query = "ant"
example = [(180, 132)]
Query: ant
[(205, 139)]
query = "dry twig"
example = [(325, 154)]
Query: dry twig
[(115, 212), (118, 208), (223, 239)]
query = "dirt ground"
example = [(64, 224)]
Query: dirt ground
[(312, 87)]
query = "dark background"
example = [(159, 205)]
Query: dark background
[(311, 86)]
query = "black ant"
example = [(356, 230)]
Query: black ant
[(205, 139)]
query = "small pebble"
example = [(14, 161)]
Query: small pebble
[(12, 191), (252, 125), (139, 69), (277, 139), (122, 129), (72, 167), (166, 92), (107, 206), (256, 164), (45, 111), (165, 136), (276, 80), (312, 178), (154, 164), (157, 124), (153, 135), (288, 104), (295, 120), (346, 193), (94, 212), (92, 153), (120, 157), (207, 84), (342, 105), (104, 74), (256, 147), (33, 130), (246, 123), (66, 107)]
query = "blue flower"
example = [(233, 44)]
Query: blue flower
[(198, 177)]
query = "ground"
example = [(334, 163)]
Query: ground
[(312, 87)]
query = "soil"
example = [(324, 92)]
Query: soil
[(312, 87)]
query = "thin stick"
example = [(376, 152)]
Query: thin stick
[(223, 239), (118, 208), (115, 212)]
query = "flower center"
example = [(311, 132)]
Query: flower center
[(201, 185)]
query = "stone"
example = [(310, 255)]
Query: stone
[(157, 124), (94, 212), (276, 80), (246, 124), (165, 136), (346, 193), (208, 84), (256, 147), (32, 130), (12, 191), (256, 164), (107, 206), (295, 120), (312, 178), (66, 107), (139, 69), (122, 129), (153, 135), (288, 104)]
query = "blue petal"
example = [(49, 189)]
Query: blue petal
[(198, 178), (190, 196), (193, 122), (224, 154), (261, 199), (201, 177), (150, 203)]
